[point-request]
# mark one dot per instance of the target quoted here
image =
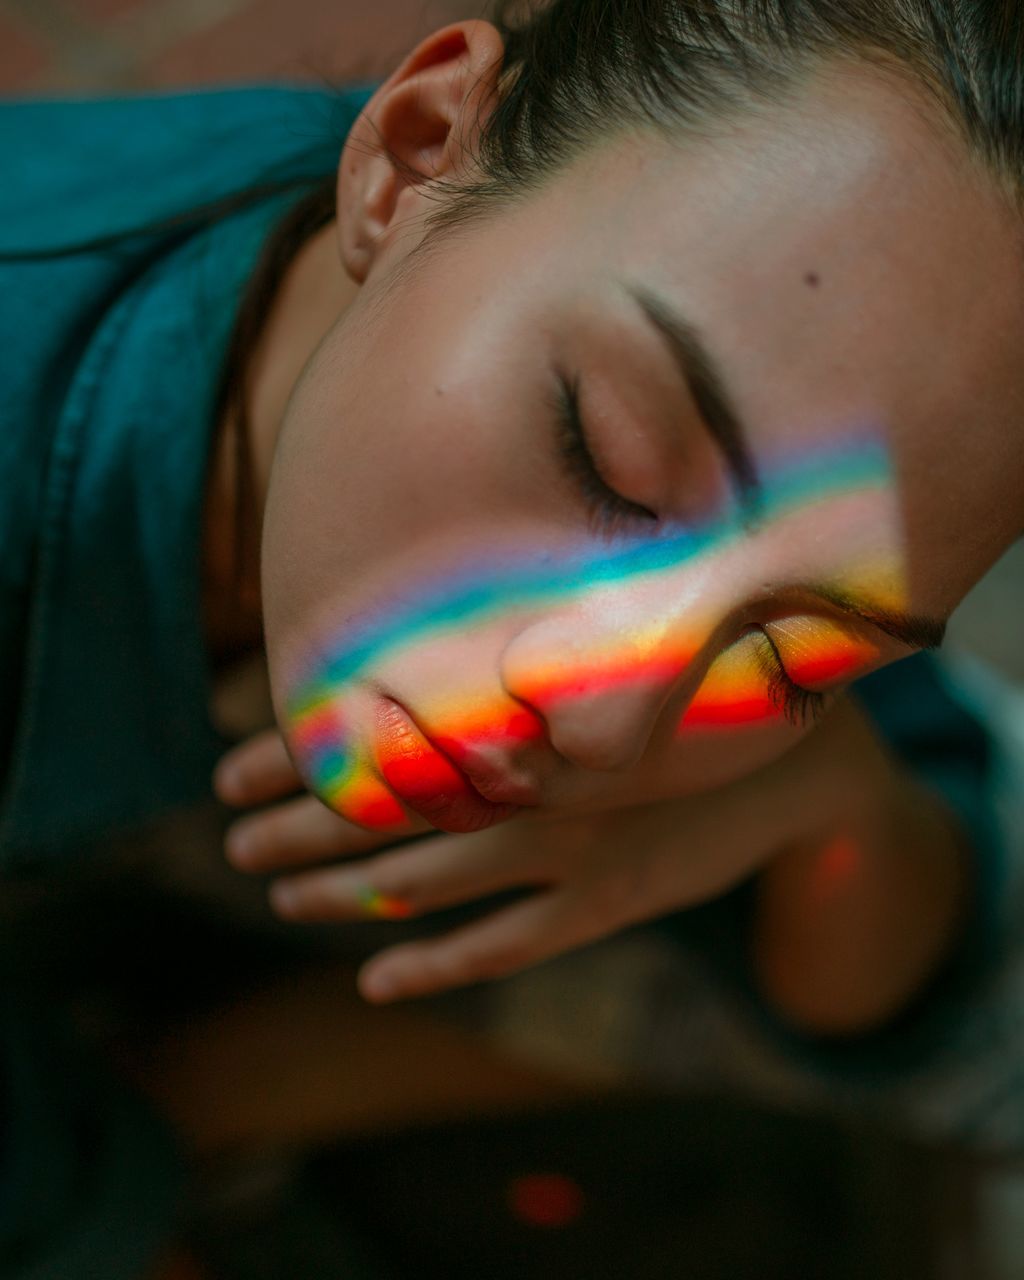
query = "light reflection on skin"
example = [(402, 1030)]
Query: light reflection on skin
[(834, 870), (354, 774)]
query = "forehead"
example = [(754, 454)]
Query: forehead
[(849, 263), (851, 160)]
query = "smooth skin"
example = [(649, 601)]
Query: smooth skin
[(850, 265)]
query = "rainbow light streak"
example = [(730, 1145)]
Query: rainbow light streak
[(340, 777), (381, 907), (823, 653), (734, 691), (815, 653)]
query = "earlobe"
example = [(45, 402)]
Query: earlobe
[(421, 125)]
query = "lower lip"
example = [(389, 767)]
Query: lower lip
[(425, 780)]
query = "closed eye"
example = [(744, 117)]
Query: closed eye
[(608, 509), (800, 706)]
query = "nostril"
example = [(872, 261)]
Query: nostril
[(600, 725)]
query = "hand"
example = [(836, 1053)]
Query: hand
[(591, 875), (297, 832)]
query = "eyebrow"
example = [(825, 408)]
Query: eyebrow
[(913, 630), (702, 375)]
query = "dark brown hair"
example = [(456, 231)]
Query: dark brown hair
[(574, 71)]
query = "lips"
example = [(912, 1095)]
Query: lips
[(491, 781), (426, 780)]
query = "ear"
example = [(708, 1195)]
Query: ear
[(423, 123)]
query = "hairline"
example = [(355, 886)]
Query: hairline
[(465, 205)]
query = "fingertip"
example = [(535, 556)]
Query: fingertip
[(229, 782), (240, 849), (285, 899), (378, 986)]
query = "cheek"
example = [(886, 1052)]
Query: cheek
[(734, 694), (333, 763)]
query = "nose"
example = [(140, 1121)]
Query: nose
[(601, 673)]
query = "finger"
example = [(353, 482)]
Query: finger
[(256, 772), (410, 881), (503, 943), (295, 834)]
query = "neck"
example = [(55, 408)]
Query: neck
[(313, 293)]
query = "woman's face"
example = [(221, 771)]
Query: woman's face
[(603, 500)]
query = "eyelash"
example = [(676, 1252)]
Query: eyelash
[(608, 509), (800, 706)]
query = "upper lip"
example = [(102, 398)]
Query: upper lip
[(487, 777), (491, 781)]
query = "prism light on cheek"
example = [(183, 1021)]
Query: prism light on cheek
[(641, 657), (733, 692), (351, 773), (354, 772), (814, 652), (338, 772)]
